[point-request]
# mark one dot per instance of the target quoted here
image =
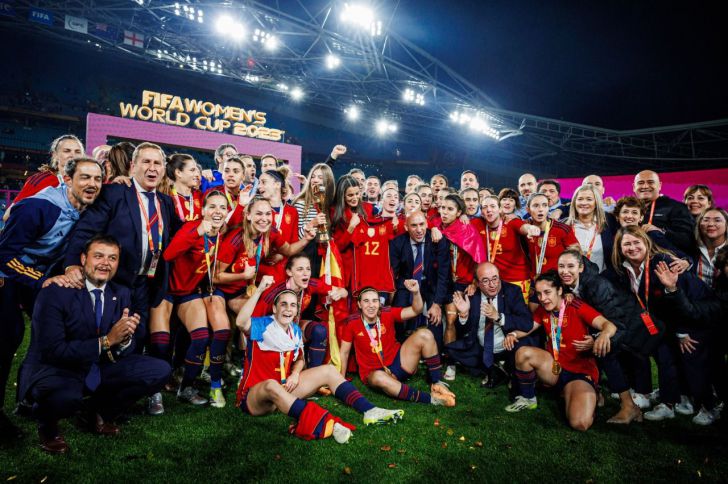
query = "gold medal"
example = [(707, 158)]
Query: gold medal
[(251, 290), (556, 368)]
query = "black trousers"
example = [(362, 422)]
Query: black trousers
[(122, 383), (14, 300)]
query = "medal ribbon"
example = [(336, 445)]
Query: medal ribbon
[(494, 251), (591, 244), (178, 205), (556, 331), (544, 243), (376, 344)]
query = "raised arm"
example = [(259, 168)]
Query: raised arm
[(242, 321)]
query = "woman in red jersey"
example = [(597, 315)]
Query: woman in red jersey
[(182, 170)]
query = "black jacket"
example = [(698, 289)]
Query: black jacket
[(675, 219)]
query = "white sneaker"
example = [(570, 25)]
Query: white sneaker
[(614, 396), (341, 434), (522, 403), (641, 400), (660, 412), (449, 373), (190, 395), (705, 417), (654, 396), (718, 409), (378, 415), (685, 407)]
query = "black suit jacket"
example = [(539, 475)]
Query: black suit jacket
[(435, 272), (467, 350), (116, 213), (675, 219), (63, 332)]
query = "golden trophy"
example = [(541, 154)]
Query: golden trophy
[(319, 195)]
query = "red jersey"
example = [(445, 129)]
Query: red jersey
[(342, 239), (261, 365), (560, 237), (510, 259), (316, 287), (37, 182), (285, 220), (232, 252), (236, 211), (355, 331), (372, 266), (462, 265), (433, 217), (187, 208), (578, 317), (186, 252)]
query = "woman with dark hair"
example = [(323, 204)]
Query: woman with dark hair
[(182, 171), (567, 364), (272, 186), (555, 237), (509, 200), (679, 306), (698, 198), (118, 160), (347, 212), (581, 278)]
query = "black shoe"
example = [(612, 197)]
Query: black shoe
[(24, 409), (8, 430)]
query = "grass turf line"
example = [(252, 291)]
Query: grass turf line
[(475, 441)]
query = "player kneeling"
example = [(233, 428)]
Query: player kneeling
[(383, 363), (566, 365), (274, 378)]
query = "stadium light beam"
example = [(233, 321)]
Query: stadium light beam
[(352, 113), (332, 61), (228, 26), (361, 17), (297, 93)]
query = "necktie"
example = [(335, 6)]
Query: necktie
[(153, 225), (417, 273), (488, 342), (93, 378)]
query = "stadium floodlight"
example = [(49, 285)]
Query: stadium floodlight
[(352, 113), (269, 41), (384, 126), (332, 61), (296, 93), (362, 17), (228, 26), (410, 96), (282, 87), (187, 11)]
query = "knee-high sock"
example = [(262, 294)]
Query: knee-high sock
[(160, 345), (434, 367), (413, 395), (218, 347), (297, 408), (347, 393), (195, 355), (317, 336), (527, 382)]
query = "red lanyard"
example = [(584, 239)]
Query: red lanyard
[(492, 252), (646, 275), (190, 205), (652, 212), (157, 218), (591, 244)]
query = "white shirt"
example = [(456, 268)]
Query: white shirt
[(633, 278), (584, 236), (498, 335), (144, 216), (707, 263)]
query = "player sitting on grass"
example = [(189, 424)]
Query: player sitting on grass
[(274, 378), (383, 363)]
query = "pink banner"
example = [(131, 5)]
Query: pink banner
[(673, 184), (99, 127)]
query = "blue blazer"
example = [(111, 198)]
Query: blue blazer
[(63, 332), (435, 274), (116, 213), (468, 350)]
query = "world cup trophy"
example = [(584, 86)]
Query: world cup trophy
[(319, 194)]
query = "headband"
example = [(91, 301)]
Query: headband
[(277, 175)]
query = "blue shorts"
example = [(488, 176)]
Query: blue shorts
[(228, 296), (177, 300), (397, 371), (566, 377)]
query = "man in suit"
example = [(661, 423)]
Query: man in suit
[(81, 346), (414, 255), (31, 244), (496, 309), (143, 221), (669, 216)]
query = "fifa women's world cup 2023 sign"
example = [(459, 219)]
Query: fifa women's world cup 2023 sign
[(178, 111)]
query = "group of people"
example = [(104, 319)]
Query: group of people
[(140, 272)]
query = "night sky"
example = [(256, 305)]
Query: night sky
[(616, 64)]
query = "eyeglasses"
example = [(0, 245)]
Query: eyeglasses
[(485, 281)]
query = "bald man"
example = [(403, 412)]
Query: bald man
[(496, 309), (596, 181), (526, 186), (668, 215), (433, 278)]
